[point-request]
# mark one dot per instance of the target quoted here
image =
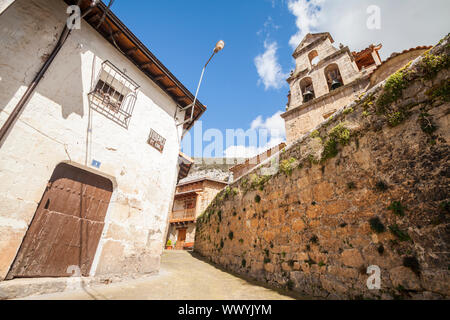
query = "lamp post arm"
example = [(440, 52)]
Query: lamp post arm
[(199, 84)]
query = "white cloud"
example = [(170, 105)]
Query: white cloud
[(269, 69), (307, 13), (404, 24), (275, 127)]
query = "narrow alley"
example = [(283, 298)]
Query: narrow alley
[(183, 276)]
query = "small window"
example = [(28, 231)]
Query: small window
[(114, 94), (156, 141), (313, 58)]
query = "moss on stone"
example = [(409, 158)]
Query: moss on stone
[(341, 134), (401, 235), (397, 208), (426, 123), (287, 166), (330, 149), (392, 91), (440, 92), (431, 64), (315, 134), (349, 110), (376, 225), (395, 118)]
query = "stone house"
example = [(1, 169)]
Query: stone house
[(89, 147), (327, 78), (192, 197)]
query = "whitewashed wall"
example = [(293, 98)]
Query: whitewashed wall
[(54, 128)]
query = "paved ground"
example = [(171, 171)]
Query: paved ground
[(182, 277)]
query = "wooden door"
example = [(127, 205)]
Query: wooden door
[(67, 225), (181, 240)]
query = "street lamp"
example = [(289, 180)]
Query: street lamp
[(219, 47)]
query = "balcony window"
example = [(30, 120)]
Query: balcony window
[(114, 94)]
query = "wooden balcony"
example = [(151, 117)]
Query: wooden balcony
[(181, 216)]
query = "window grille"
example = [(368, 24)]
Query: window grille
[(114, 95), (156, 141)]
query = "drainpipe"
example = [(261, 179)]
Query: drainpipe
[(21, 104)]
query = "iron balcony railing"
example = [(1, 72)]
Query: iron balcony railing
[(186, 214)]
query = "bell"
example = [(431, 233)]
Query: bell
[(308, 95), (336, 84)]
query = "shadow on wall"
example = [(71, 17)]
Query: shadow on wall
[(26, 44), (63, 83)]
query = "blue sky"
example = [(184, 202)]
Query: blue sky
[(245, 84)]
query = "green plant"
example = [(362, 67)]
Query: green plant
[(315, 134), (287, 166), (340, 134), (351, 185), (395, 118), (243, 263), (258, 182), (321, 264), (330, 149), (348, 110), (257, 198), (381, 186), (445, 206), (413, 264), (426, 123), (310, 262), (169, 243), (392, 90), (219, 214), (266, 260), (376, 225), (441, 92), (431, 64), (401, 235), (397, 208), (231, 235), (241, 241)]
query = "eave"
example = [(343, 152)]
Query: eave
[(117, 34)]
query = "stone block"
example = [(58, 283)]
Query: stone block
[(352, 258)]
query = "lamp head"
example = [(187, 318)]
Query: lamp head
[(219, 46)]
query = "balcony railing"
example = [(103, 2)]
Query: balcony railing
[(183, 215)]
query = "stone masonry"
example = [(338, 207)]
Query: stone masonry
[(369, 186)]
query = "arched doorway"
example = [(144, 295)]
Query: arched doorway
[(66, 227)]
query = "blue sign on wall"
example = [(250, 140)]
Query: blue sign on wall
[(96, 164)]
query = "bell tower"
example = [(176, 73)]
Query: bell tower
[(325, 79)]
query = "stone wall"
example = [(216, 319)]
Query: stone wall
[(58, 126), (370, 186)]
